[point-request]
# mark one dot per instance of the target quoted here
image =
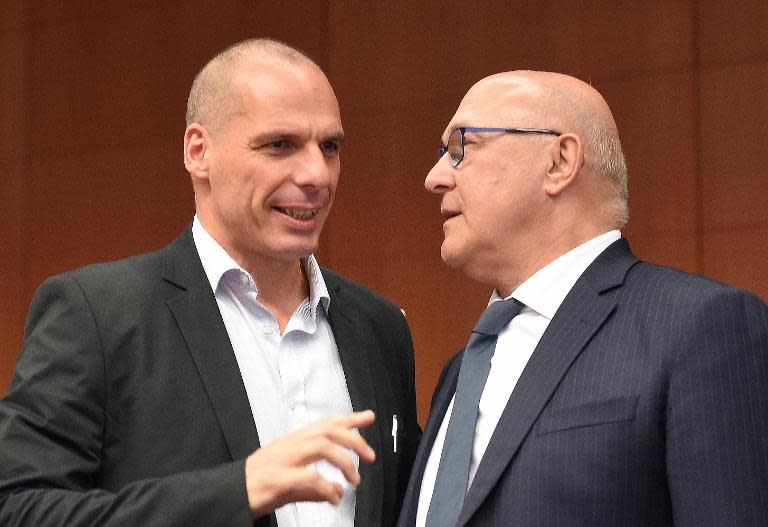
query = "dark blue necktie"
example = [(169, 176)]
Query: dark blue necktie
[(453, 471)]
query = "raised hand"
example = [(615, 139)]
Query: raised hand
[(277, 473)]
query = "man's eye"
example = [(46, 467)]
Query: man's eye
[(280, 144), (330, 148)]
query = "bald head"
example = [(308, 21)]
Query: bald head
[(565, 100), (566, 104), (212, 98)]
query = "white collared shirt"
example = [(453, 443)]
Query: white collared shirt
[(292, 379), (542, 295)]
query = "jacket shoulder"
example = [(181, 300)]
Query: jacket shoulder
[(676, 282), (130, 273)]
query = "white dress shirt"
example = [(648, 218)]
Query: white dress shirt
[(542, 295), (291, 379)]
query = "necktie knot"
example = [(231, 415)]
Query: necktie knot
[(498, 315)]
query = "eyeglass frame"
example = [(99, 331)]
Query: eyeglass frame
[(464, 129)]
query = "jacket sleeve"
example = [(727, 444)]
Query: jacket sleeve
[(717, 414), (52, 424)]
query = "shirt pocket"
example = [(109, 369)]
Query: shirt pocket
[(594, 413)]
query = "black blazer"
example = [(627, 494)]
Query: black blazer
[(645, 404), (127, 406)]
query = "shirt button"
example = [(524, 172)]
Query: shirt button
[(266, 329), (477, 430), (291, 405)]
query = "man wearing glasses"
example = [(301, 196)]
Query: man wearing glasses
[(596, 389)]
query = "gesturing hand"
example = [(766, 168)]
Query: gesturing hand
[(277, 473)]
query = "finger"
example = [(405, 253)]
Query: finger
[(308, 485), (266, 492), (352, 440), (361, 419), (323, 448), (339, 458), (337, 429)]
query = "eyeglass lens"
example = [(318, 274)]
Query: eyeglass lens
[(456, 146)]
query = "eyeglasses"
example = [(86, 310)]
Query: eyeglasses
[(455, 145)]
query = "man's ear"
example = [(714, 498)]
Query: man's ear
[(196, 155), (567, 158)]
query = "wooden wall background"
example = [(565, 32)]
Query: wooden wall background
[(92, 98)]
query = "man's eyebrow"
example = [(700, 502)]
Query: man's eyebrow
[(272, 135), (336, 138)]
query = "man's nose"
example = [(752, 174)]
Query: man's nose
[(315, 169), (440, 178)]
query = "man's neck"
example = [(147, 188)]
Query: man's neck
[(282, 287), (282, 283), (540, 254)]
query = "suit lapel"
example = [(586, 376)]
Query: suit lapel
[(584, 310), (357, 360), (200, 322)]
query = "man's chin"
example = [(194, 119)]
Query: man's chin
[(451, 257), (299, 253), (302, 248)]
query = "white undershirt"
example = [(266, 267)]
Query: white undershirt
[(291, 379), (542, 295)]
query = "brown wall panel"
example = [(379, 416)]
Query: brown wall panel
[(655, 118), (93, 100), (734, 183), (733, 95), (13, 297), (732, 32)]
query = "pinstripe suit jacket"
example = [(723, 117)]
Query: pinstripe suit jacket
[(645, 403)]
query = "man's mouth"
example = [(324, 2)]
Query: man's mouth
[(299, 214), (448, 214)]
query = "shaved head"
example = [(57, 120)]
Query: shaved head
[(212, 100), (584, 111), (567, 104)]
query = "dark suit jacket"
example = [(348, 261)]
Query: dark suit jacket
[(645, 404), (127, 406)]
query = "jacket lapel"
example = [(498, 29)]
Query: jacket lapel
[(357, 360), (584, 310), (200, 322), (446, 387)]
